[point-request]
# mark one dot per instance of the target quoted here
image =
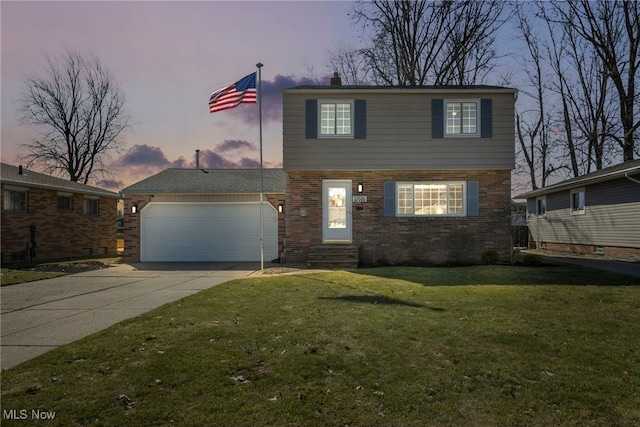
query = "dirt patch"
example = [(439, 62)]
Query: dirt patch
[(69, 268)]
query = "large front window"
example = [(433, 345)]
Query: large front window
[(461, 117), (431, 198), (336, 118)]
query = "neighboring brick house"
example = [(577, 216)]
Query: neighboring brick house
[(387, 175), (597, 213), (46, 218), (204, 215)]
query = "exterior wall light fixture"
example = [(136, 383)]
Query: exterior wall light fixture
[(360, 187), (134, 208)]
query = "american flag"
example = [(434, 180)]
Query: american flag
[(241, 92)]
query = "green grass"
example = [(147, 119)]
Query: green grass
[(476, 346), (15, 276)]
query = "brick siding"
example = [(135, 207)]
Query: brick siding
[(393, 240), (59, 235), (616, 252)]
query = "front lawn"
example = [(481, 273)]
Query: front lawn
[(473, 346)]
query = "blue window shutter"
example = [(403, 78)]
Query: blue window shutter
[(486, 118), (437, 118), (473, 198), (360, 119), (389, 198), (311, 119)]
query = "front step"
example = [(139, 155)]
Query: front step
[(334, 256)]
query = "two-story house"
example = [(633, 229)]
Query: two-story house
[(386, 175)]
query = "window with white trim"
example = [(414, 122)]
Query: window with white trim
[(541, 205), (91, 206), (462, 117), (15, 200), (431, 198), (336, 118), (577, 201)]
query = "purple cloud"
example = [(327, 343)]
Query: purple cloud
[(271, 98), (143, 155), (234, 144), (111, 184)]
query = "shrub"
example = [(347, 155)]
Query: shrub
[(490, 257), (532, 260)]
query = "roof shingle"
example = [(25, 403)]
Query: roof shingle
[(210, 181), (10, 174)]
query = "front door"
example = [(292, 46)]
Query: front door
[(336, 211)]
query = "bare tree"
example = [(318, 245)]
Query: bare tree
[(346, 60), (582, 84), (613, 29), (429, 42), (533, 125), (80, 112)]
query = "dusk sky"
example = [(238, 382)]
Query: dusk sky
[(168, 57)]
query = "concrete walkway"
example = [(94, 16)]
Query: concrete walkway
[(39, 316)]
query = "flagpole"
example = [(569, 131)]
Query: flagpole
[(259, 66)]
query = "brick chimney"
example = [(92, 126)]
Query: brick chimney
[(335, 80)]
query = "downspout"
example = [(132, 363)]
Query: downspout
[(626, 175)]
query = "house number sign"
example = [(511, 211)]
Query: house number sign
[(359, 199)]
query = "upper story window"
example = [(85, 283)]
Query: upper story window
[(430, 198), (541, 205), (461, 117), (336, 118), (64, 202), (15, 200), (91, 206), (577, 201)]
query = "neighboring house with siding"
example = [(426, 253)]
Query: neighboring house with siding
[(385, 175), (45, 217), (597, 213)]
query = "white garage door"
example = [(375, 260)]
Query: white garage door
[(207, 232)]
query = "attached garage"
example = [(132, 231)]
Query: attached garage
[(207, 232), (202, 215)]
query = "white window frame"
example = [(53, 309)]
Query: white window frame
[(321, 133), (9, 205), (85, 209), (448, 184), (578, 210), (460, 134), (541, 201)]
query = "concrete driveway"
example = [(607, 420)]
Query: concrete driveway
[(39, 316)]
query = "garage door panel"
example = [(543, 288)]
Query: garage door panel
[(207, 232)]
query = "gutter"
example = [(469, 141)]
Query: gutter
[(626, 175)]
